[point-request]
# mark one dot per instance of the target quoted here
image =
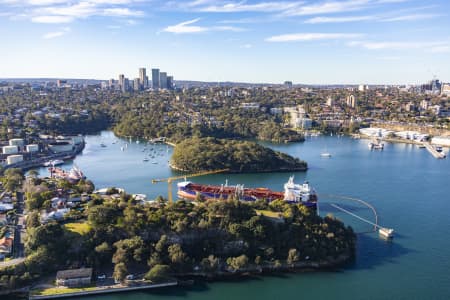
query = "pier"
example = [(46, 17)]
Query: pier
[(385, 232), (433, 151)]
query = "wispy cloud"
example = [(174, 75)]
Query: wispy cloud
[(236, 6), (60, 11), (187, 27), (412, 17), (329, 7), (435, 46), (246, 46), (377, 18), (320, 20), (305, 37), (52, 19), (55, 34)]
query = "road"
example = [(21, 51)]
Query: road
[(18, 249), (11, 262)]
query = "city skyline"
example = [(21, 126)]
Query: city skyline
[(310, 42)]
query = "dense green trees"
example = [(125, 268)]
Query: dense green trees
[(197, 154)]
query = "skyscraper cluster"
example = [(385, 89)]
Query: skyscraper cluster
[(159, 80)]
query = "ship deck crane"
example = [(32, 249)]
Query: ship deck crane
[(169, 180)]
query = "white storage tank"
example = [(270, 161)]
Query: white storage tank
[(12, 159), (17, 142), (33, 148), (58, 147), (10, 149)]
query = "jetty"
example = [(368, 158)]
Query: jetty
[(433, 151), (385, 232)]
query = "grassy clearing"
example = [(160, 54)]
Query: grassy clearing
[(269, 214), (80, 228), (62, 290)]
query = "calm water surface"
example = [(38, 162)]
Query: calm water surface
[(409, 188)]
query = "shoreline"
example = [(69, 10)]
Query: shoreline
[(266, 269), (38, 162), (173, 167)]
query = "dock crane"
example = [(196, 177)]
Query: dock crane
[(169, 180)]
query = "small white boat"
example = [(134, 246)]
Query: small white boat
[(102, 145), (145, 159), (325, 154), (53, 163), (386, 232), (121, 149), (376, 145)]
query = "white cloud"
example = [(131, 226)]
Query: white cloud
[(246, 46), (122, 12), (413, 17), (257, 7), (63, 11), (304, 37), (45, 2), (377, 18), (186, 27), (235, 6), (329, 7), (429, 46), (52, 19), (52, 35), (319, 20), (440, 49)]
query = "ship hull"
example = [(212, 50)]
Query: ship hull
[(192, 191)]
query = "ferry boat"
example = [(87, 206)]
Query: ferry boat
[(293, 193), (73, 175)]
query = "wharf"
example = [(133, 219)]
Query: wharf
[(105, 290), (433, 151), (38, 162)]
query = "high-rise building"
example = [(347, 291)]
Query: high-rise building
[(143, 79), (351, 101), (137, 84), (121, 81), (155, 79), (170, 82), (330, 101), (126, 85), (111, 83), (288, 84), (163, 80), (445, 89)]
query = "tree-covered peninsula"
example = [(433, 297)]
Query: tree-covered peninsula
[(197, 154)]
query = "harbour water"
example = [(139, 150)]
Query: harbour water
[(409, 188)]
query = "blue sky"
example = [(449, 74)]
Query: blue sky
[(314, 42)]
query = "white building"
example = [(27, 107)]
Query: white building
[(17, 142), (12, 159), (10, 149), (32, 148), (441, 140)]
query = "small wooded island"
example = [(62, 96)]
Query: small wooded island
[(197, 154)]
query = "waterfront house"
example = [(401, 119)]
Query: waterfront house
[(74, 278)]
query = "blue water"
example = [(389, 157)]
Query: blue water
[(409, 188)]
